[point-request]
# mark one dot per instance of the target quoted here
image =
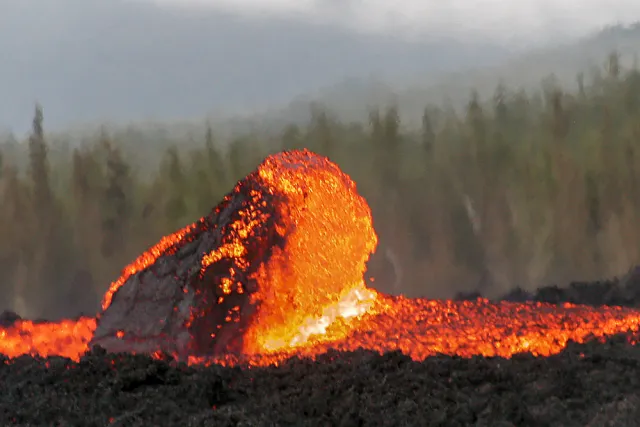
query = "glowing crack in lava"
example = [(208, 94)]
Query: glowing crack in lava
[(276, 270)]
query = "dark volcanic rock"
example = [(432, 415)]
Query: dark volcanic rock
[(8, 318), (518, 295), (591, 384), (177, 304), (467, 296), (623, 292)]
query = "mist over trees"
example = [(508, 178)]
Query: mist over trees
[(519, 189)]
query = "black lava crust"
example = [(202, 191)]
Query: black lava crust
[(591, 384)]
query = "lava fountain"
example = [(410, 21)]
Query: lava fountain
[(276, 270)]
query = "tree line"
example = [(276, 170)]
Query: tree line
[(523, 189)]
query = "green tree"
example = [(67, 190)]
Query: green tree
[(215, 159), (42, 241), (428, 132), (175, 207), (39, 166), (116, 205), (86, 185), (15, 247), (321, 135), (291, 138)]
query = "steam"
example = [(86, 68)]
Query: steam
[(355, 303)]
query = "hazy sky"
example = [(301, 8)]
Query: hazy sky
[(503, 19), (86, 60)]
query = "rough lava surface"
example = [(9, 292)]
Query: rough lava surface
[(257, 315)]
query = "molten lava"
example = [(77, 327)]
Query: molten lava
[(329, 236), (67, 338), (289, 267)]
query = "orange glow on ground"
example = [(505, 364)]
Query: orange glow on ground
[(68, 338), (418, 327), (421, 328)]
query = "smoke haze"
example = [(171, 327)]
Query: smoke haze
[(503, 21), (91, 61)]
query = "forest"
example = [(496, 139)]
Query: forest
[(522, 189)]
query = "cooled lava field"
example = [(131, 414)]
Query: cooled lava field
[(258, 315)]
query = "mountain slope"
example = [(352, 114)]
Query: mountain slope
[(351, 98)]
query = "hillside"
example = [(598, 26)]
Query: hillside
[(350, 98)]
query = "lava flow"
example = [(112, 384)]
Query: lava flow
[(276, 270)]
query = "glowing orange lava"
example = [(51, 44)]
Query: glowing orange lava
[(310, 294), (329, 238), (67, 338), (421, 328)]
